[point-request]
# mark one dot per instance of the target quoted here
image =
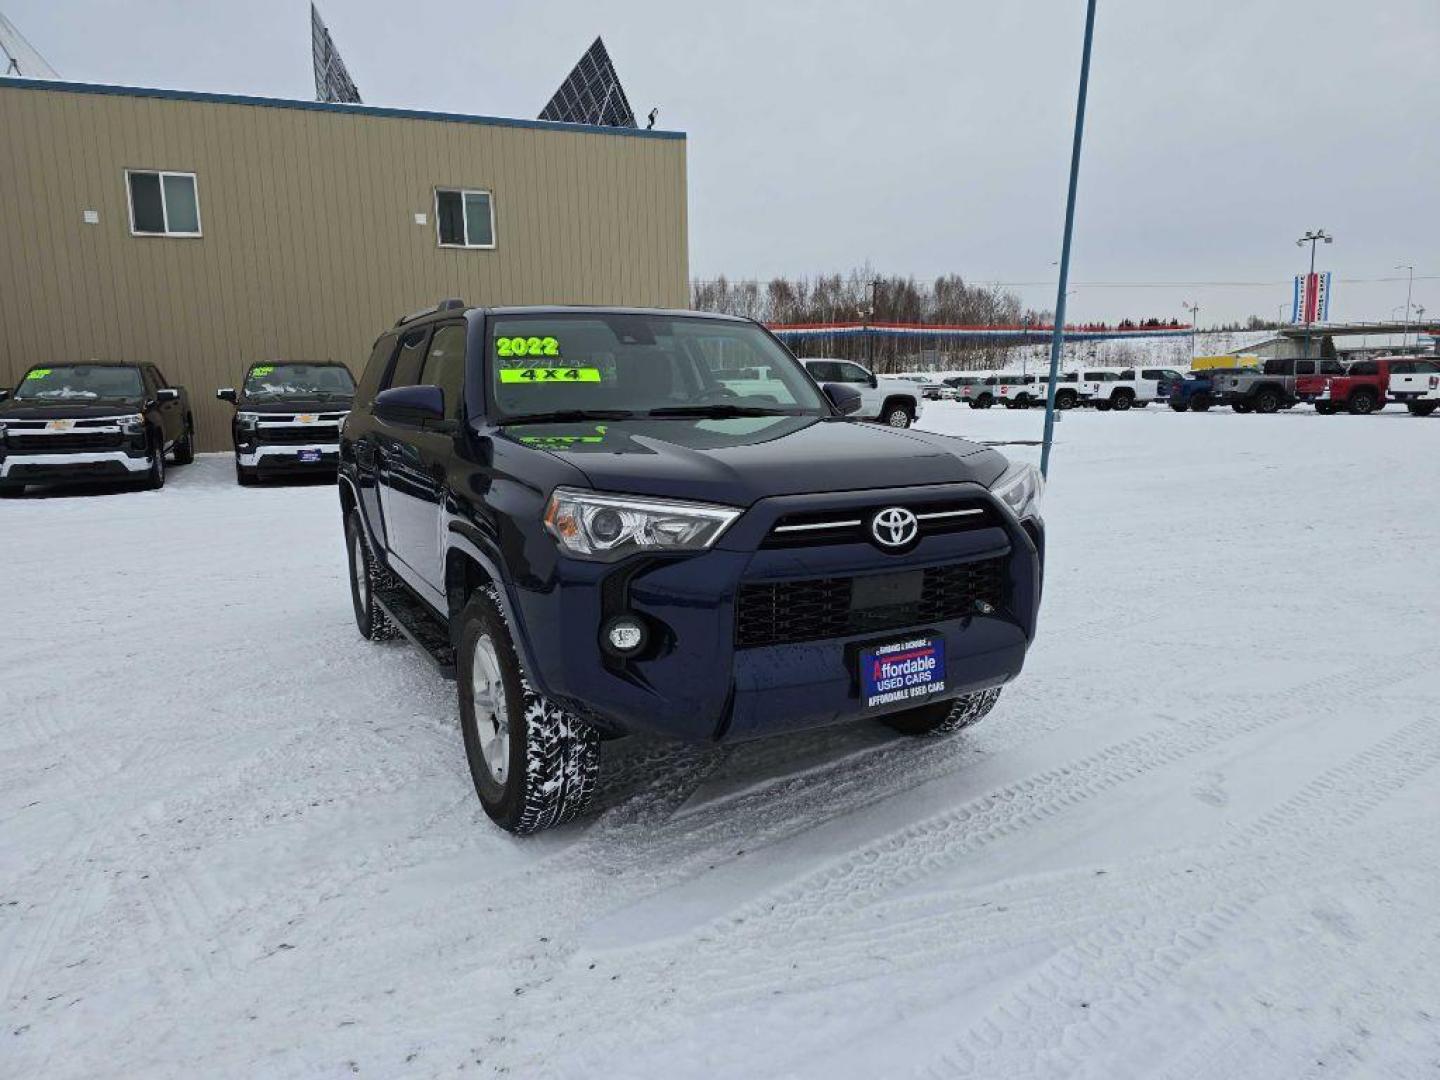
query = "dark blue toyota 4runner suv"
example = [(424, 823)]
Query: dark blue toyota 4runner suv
[(604, 521)]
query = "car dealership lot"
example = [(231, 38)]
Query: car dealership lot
[(1197, 836)]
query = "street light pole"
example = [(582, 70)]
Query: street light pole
[(1057, 333), (1194, 310), (1409, 287), (1312, 237)]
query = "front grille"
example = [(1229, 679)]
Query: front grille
[(824, 527), (303, 434), (787, 612), (22, 443)]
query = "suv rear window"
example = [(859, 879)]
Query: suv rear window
[(639, 363)]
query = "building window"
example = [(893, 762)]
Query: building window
[(163, 203), (464, 218)]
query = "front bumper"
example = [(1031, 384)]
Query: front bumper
[(81, 466), (289, 457), (696, 682)]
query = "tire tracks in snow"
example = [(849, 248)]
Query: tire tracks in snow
[(911, 935), (1280, 846), (918, 850)]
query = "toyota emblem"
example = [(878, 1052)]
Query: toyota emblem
[(894, 527)]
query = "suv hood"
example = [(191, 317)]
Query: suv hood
[(739, 461), (74, 409)]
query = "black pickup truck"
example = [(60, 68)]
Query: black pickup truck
[(92, 422), (287, 418), (599, 521)]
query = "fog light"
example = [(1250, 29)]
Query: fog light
[(624, 634)]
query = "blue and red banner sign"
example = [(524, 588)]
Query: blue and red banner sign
[(1311, 302)]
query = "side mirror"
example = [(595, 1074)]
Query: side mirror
[(845, 398), (226, 394), (874, 381), (411, 406), (4, 394), (169, 393)]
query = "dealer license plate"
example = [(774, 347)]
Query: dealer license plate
[(903, 671), (309, 455)]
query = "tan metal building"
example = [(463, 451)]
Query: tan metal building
[(205, 231)]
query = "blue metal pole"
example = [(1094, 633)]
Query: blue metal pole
[(1057, 336)]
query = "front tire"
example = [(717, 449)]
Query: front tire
[(1122, 402), (534, 764), (185, 445), (944, 717), (1267, 401), (1178, 406), (155, 478), (365, 575), (1066, 399), (898, 416)]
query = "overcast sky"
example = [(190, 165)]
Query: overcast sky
[(923, 138)]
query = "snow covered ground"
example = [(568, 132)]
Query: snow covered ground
[(1199, 838)]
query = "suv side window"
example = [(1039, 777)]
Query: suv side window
[(1366, 367), (375, 369), (1153, 373), (823, 371), (1278, 367), (1331, 367), (406, 369), (1129, 373), (852, 373), (445, 366)]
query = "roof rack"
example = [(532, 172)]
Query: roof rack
[(444, 305)]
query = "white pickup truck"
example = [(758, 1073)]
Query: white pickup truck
[(896, 402), (1022, 391), (1126, 388), (1415, 384)]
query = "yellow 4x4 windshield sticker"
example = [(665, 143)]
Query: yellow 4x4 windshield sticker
[(38, 373), (257, 372), (549, 374)]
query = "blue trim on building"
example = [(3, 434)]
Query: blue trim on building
[(326, 106)]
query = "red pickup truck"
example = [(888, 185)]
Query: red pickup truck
[(1364, 387)]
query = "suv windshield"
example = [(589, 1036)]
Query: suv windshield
[(618, 364), (84, 382), (293, 380)]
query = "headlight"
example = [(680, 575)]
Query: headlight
[(134, 424), (604, 528), (1020, 489), (247, 419)]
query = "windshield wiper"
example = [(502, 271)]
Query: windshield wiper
[(723, 411), (569, 416)]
